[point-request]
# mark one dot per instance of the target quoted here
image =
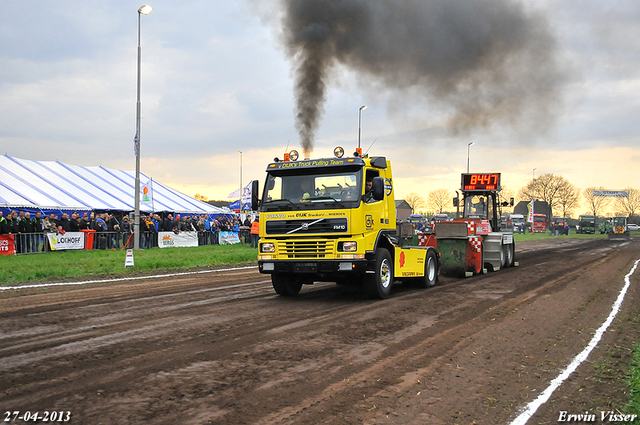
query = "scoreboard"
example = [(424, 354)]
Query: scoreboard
[(481, 181)]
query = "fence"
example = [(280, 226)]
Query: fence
[(32, 243)]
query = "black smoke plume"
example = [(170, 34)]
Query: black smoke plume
[(483, 60)]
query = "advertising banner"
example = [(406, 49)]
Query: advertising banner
[(182, 239), (7, 245), (70, 240), (229, 238)]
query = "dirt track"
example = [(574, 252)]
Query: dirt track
[(222, 348)]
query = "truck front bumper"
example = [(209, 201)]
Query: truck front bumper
[(317, 269)]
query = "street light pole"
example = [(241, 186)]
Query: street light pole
[(144, 10), (240, 196), (468, 151), (362, 108)]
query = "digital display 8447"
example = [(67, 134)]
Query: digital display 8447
[(481, 181)]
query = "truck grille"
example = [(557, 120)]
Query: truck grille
[(305, 249), (327, 225)]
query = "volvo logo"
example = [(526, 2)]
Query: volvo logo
[(305, 226)]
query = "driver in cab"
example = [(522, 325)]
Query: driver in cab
[(306, 190)]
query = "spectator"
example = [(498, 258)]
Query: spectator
[(64, 223), (148, 229), (27, 228), (16, 220), (125, 228), (100, 239), (4, 226), (185, 225), (52, 219), (255, 232), (74, 223), (39, 229), (48, 227), (202, 230), (190, 227), (167, 224), (85, 222), (113, 238)]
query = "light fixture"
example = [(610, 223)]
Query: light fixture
[(145, 9)]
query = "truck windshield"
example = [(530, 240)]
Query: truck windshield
[(477, 206), (312, 191)]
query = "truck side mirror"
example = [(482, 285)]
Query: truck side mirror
[(378, 188), (255, 200), (511, 202)]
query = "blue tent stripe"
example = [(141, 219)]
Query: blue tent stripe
[(12, 190), (66, 192), (37, 189), (93, 196), (119, 189), (134, 188), (71, 170)]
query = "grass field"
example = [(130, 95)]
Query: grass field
[(75, 264), (634, 383)]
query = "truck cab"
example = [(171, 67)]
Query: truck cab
[(334, 219)]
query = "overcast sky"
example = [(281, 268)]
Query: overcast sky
[(216, 78)]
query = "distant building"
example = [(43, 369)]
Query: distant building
[(403, 210)]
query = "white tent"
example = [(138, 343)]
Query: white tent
[(52, 185)]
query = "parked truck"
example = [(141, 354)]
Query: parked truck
[(334, 219), (586, 224)]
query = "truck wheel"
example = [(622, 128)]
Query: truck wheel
[(379, 285), (285, 285), (509, 254), (503, 256), (430, 271)]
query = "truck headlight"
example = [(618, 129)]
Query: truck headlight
[(267, 247), (349, 246)]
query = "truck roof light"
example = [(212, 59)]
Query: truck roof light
[(293, 155), (338, 152)]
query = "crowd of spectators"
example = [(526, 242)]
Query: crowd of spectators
[(113, 232), (208, 230)]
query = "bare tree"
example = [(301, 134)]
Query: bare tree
[(568, 199), (631, 205), (548, 188), (201, 197), (439, 199), (415, 201), (595, 204)]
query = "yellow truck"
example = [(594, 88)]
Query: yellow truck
[(334, 220)]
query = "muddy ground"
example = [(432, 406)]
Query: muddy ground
[(221, 347)]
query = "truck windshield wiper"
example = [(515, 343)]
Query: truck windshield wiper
[(326, 199), (277, 201)]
